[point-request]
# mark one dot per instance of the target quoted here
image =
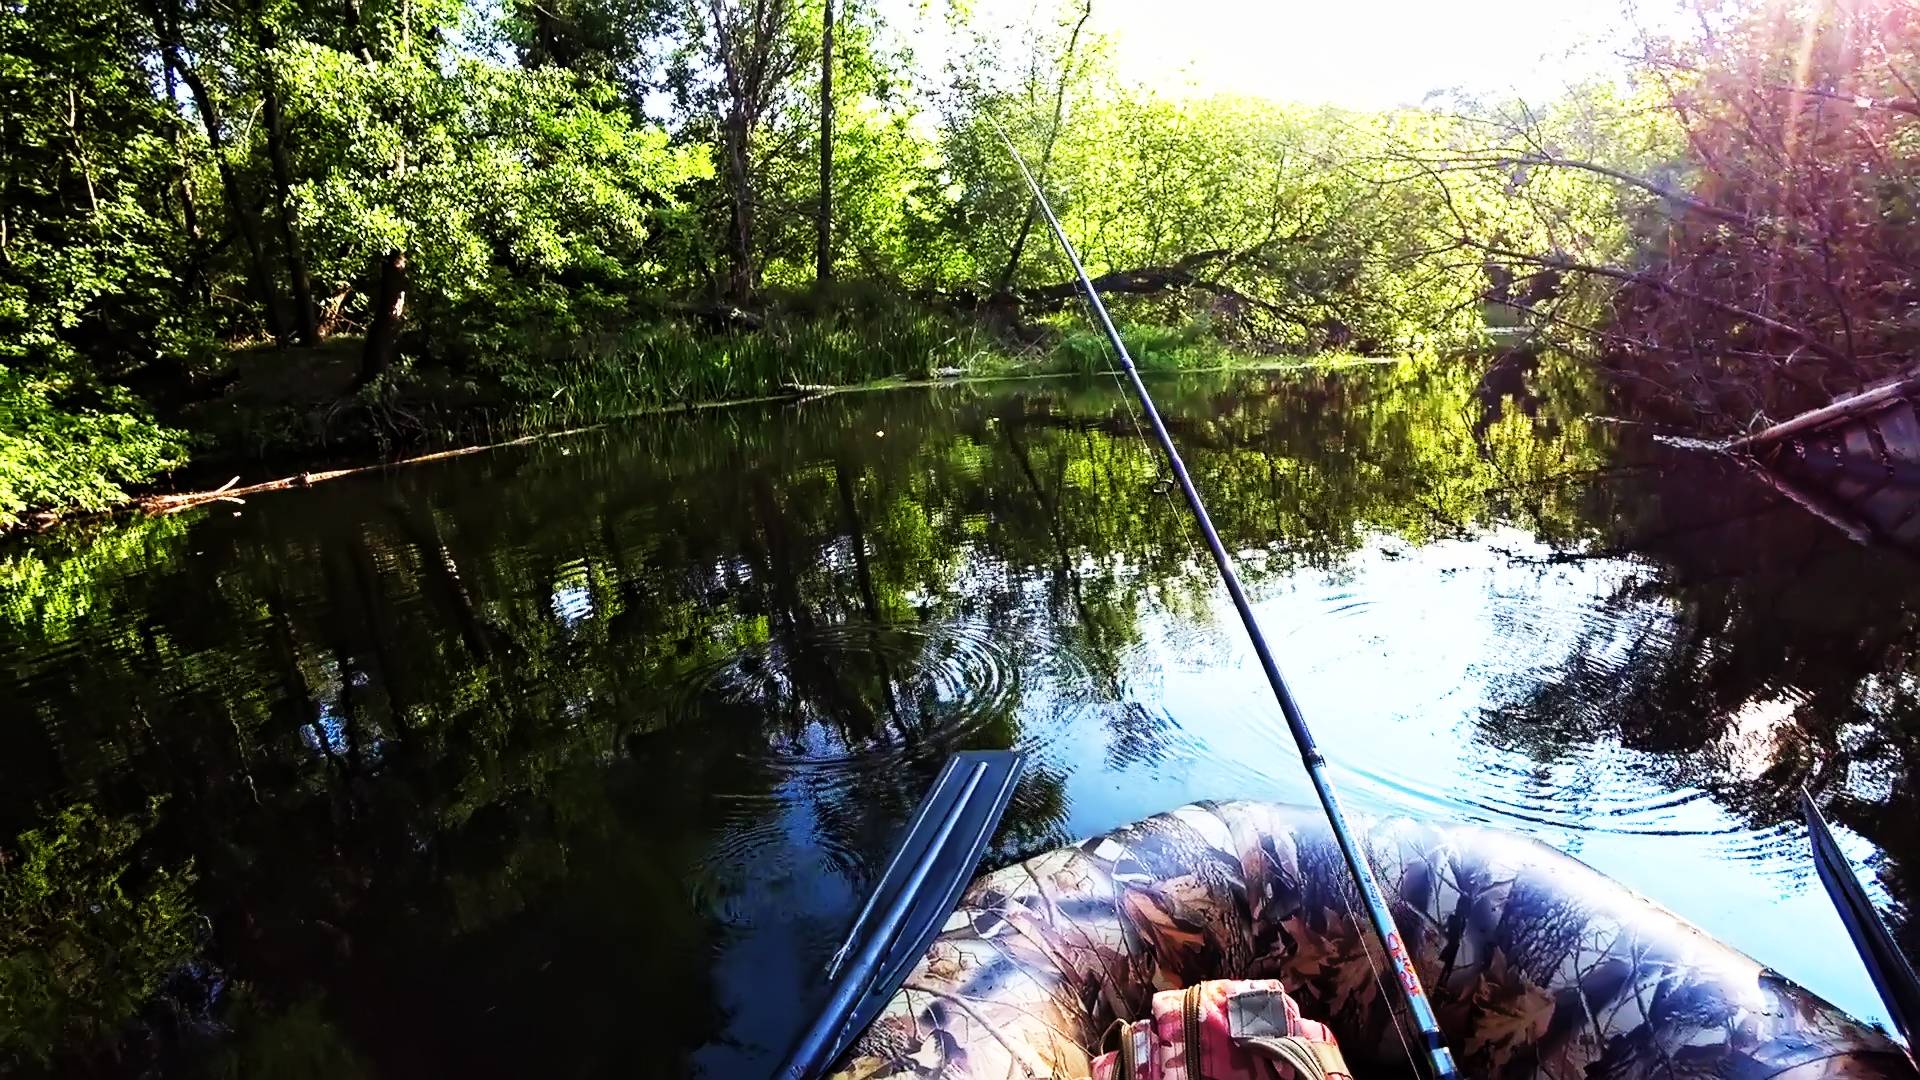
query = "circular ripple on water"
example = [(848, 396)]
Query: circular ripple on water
[(1560, 701), (1602, 790), (857, 693)]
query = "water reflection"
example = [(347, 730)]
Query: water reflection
[(574, 758)]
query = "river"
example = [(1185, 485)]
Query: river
[(573, 758)]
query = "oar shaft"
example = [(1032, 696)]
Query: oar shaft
[(818, 1046), (1893, 977), (1378, 914)]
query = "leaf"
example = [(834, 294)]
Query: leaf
[(1509, 1012), (1175, 944)]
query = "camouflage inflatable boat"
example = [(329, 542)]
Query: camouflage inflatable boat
[(1536, 963)]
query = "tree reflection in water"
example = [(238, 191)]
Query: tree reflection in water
[(572, 759)]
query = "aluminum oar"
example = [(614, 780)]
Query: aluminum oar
[(916, 894), (1892, 975)]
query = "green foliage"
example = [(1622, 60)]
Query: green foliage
[(55, 452), (602, 41), (86, 931), (47, 588), (85, 259), (525, 199), (1275, 215)]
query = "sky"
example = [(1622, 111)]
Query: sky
[(1355, 53)]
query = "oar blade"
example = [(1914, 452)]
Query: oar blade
[(916, 895), (1892, 975)]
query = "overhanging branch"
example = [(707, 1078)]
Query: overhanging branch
[(1812, 343)]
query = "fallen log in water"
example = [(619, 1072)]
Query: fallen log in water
[(1855, 462), (1852, 408), (229, 492)]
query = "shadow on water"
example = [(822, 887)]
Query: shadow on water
[(573, 759)]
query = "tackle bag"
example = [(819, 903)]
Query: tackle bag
[(1224, 1029)]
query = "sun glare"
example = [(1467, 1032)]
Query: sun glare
[(1359, 54)]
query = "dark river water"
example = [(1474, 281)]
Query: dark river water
[(572, 759)]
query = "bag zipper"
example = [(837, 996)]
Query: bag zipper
[(1190, 1029)]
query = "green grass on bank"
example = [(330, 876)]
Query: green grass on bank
[(657, 367), (1153, 348), (291, 406)]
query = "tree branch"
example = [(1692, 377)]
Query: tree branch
[(1652, 281)]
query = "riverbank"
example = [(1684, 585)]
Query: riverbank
[(292, 418)]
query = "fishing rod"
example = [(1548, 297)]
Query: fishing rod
[(1439, 1058)]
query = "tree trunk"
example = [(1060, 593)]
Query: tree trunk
[(81, 158), (740, 275), (229, 182), (360, 49), (8, 197), (303, 308), (189, 206), (823, 227), (389, 310)]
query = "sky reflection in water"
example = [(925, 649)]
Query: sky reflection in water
[(575, 755)]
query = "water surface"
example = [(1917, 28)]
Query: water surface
[(573, 759)]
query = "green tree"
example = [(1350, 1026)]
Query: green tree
[(87, 244)]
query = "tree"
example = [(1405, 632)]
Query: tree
[(1068, 60), (174, 47), (481, 195), (754, 52), (88, 296), (304, 312), (612, 42), (823, 228), (1733, 236)]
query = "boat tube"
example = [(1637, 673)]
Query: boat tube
[(1537, 964)]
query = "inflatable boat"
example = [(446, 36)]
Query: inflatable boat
[(1536, 964)]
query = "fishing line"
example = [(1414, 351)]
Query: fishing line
[(1399, 1017), (1164, 485), (1440, 1059)]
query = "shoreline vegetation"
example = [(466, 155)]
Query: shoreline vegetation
[(164, 500), (296, 229)]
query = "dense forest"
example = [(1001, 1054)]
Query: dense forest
[(271, 225)]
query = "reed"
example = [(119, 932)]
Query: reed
[(649, 367), (609, 374), (1154, 348)]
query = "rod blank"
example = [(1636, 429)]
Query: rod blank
[(1440, 1059)]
